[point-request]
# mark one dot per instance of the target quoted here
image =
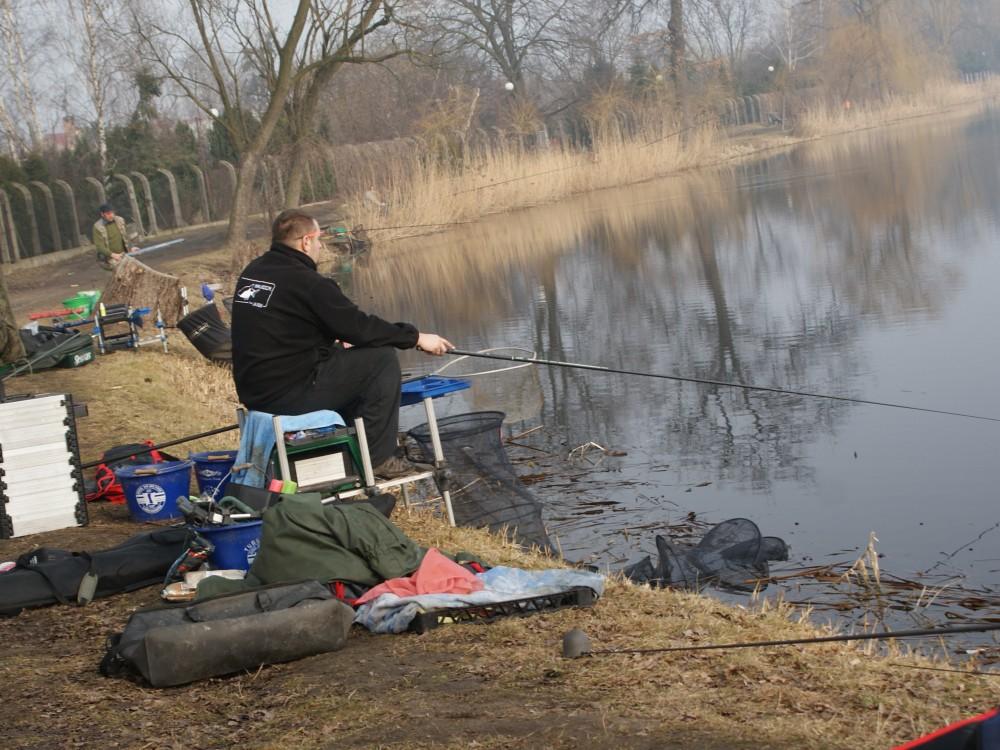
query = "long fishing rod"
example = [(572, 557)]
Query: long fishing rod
[(705, 381), (157, 447), (576, 643)]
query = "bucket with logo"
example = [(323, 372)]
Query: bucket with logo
[(236, 545), (151, 491), (211, 470)]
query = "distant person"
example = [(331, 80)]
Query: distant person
[(110, 237), (300, 345)]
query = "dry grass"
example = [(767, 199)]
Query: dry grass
[(504, 685), (506, 178), (937, 98), (425, 195)]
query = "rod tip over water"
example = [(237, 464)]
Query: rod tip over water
[(575, 644)]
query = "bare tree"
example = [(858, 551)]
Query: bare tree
[(207, 59), (677, 42), (11, 137), (508, 34), (335, 37), (722, 28), (795, 32), (96, 58), (16, 63), (940, 21)]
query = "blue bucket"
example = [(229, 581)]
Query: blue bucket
[(151, 491), (236, 546), (211, 469)]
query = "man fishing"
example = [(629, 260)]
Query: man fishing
[(110, 237), (300, 345)]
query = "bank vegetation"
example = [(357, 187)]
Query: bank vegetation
[(498, 685)]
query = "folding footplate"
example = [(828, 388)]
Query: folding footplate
[(578, 596)]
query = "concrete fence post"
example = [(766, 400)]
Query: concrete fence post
[(202, 193), (50, 205), (102, 197), (231, 171), (29, 207), (279, 178), (175, 200), (8, 238), (309, 182), (150, 206), (133, 203), (75, 238)]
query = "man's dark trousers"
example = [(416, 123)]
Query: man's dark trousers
[(359, 382)]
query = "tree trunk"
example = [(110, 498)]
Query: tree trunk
[(11, 346), (17, 64), (296, 176), (675, 27), (239, 214), (138, 285), (250, 158)]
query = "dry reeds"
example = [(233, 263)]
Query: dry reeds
[(437, 183), (432, 193), (937, 97)]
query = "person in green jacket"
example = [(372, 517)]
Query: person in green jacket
[(110, 237)]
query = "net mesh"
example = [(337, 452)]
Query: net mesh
[(485, 490), (732, 555), (511, 387)]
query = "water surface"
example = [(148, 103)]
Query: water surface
[(865, 266)]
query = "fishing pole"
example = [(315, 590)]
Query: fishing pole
[(705, 381), (576, 643), (157, 447), (157, 246)]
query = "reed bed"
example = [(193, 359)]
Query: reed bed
[(428, 194), (938, 97), (417, 193)]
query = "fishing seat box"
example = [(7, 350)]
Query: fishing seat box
[(41, 483)]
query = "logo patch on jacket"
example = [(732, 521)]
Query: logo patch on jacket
[(253, 292)]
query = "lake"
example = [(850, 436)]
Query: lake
[(865, 266)]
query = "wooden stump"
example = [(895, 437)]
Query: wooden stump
[(136, 284), (243, 254)]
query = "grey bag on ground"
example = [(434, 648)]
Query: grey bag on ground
[(174, 645)]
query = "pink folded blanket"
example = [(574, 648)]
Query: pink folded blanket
[(436, 575)]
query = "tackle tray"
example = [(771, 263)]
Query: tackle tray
[(578, 596), (429, 386)]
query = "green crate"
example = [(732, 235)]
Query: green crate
[(314, 456), (87, 300)]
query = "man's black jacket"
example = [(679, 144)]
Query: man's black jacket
[(286, 317)]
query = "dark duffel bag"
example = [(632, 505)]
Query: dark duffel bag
[(181, 643), (205, 329), (46, 576)]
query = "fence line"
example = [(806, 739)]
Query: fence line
[(193, 195)]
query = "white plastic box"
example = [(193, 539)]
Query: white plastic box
[(41, 484)]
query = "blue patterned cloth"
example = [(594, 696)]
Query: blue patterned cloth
[(257, 440), (393, 614)]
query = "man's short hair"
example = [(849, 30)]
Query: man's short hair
[(291, 224), (105, 208)]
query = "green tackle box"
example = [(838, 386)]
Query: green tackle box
[(322, 461), (79, 357)]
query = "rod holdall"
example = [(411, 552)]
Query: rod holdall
[(181, 643), (47, 576)]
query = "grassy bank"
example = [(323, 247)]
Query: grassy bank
[(500, 685), (425, 196)]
